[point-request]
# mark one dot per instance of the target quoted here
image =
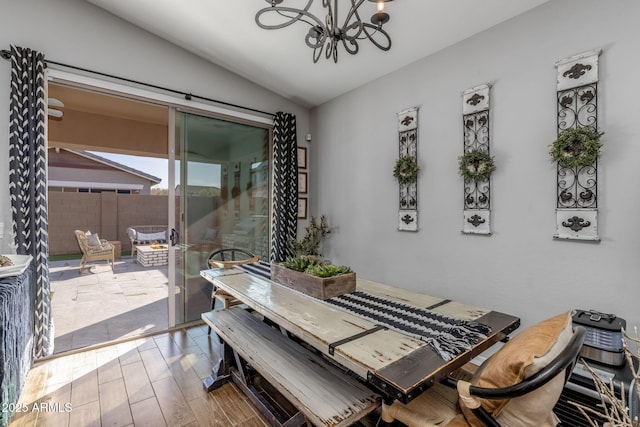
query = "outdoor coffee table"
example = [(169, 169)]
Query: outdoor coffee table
[(151, 255)]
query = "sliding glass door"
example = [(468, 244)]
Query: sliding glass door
[(221, 199)]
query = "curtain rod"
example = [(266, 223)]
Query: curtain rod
[(188, 96)]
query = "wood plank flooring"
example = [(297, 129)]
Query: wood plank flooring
[(153, 381)]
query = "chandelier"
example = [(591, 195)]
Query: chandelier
[(327, 34)]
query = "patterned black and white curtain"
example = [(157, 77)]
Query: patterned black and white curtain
[(28, 180), (285, 186)]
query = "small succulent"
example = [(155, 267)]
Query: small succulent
[(312, 266), (299, 263), (327, 270)]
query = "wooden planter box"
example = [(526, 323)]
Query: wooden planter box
[(317, 287)]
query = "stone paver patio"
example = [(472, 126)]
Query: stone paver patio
[(101, 305)]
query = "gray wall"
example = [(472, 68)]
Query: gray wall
[(520, 269), (78, 33)]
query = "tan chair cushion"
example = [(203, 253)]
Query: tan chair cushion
[(521, 357)]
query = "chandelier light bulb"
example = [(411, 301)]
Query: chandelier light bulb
[(381, 6)]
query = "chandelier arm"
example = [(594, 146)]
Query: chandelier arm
[(331, 50), (327, 5), (318, 32), (311, 24), (376, 29), (352, 47), (317, 53), (278, 9), (358, 24), (319, 37)]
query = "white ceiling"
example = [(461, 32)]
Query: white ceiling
[(225, 33)]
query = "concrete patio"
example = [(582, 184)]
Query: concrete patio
[(102, 305)]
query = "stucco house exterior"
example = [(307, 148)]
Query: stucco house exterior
[(83, 171)]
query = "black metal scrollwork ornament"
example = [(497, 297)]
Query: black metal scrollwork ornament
[(475, 165), (576, 223), (475, 99), (407, 219), (576, 71), (576, 149), (406, 169), (476, 220)]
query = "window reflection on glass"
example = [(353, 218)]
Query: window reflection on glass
[(225, 202)]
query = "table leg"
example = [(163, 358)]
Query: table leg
[(386, 419), (220, 373)]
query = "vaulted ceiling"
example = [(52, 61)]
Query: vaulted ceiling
[(225, 33)]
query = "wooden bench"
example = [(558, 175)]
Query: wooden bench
[(321, 392)]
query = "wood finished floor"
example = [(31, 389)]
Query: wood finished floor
[(153, 381)]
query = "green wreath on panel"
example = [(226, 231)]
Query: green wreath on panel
[(476, 166), (406, 170), (576, 148)]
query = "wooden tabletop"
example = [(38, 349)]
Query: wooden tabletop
[(399, 365)]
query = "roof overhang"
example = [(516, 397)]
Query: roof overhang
[(98, 185)]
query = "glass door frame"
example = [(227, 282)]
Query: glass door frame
[(60, 75), (171, 271), (176, 216)]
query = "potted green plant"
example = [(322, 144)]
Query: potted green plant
[(319, 279), (315, 232)]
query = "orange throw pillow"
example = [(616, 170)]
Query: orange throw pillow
[(522, 356)]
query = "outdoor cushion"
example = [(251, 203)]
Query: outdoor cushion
[(93, 240), (148, 237), (132, 233)]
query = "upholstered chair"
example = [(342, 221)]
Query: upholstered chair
[(518, 386)]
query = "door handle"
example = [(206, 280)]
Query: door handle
[(174, 237)]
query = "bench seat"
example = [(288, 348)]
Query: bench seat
[(324, 394)]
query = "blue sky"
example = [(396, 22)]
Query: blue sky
[(150, 165)]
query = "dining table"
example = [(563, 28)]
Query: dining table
[(398, 363)]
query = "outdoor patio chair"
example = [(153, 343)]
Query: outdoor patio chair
[(517, 386), (227, 258), (102, 251)]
